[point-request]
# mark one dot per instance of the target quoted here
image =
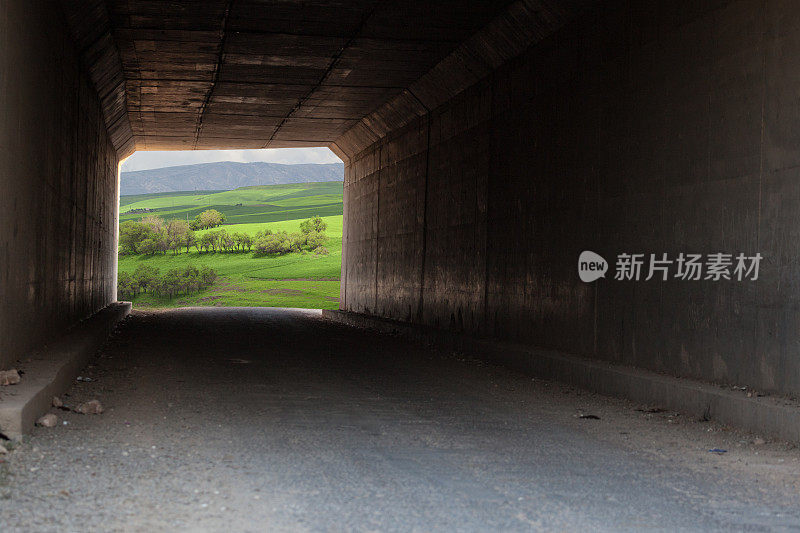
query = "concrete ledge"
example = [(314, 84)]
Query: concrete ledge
[(772, 416), (51, 370)]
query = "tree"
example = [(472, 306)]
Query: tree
[(158, 286), (207, 241), (146, 277), (244, 240), (189, 240), (237, 240), (162, 242), (227, 241), (314, 223), (216, 241), (172, 282), (126, 284), (210, 218), (155, 222), (131, 234), (176, 231), (175, 281), (191, 279)]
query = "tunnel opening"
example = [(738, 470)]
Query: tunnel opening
[(487, 147), (231, 228)]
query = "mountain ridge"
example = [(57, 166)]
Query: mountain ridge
[(224, 175)]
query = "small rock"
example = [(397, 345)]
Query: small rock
[(758, 441), (92, 407), (49, 420), (9, 377), (3, 450), (57, 402)]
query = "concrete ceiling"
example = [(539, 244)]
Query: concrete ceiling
[(184, 74)]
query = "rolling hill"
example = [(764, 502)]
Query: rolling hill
[(245, 205), (224, 175), (307, 280)]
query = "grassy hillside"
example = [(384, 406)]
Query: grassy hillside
[(292, 280), (263, 203)]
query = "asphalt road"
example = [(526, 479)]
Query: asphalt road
[(270, 420)]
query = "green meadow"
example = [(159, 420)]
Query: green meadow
[(246, 205), (304, 280)]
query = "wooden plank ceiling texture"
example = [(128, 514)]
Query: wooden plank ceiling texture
[(184, 74)]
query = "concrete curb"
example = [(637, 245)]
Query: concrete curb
[(52, 370), (771, 416)]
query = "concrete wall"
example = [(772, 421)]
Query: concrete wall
[(58, 183), (644, 127)]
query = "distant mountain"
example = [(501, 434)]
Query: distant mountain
[(225, 175)]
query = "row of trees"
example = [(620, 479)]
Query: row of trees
[(311, 237), (222, 241), (152, 235), (176, 281)]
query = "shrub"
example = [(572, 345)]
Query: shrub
[(207, 276), (261, 234), (314, 223), (316, 239), (274, 243), (296, 242), (312, 237)]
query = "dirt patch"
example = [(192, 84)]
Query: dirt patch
[(288, 292), (300, 279), (208, 298)]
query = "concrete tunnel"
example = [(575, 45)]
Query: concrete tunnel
[(486, 144)]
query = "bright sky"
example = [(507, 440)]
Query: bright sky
[(288, 156)]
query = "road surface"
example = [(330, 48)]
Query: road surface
[(271, 420)]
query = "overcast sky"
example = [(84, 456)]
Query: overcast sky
[(288, 156)]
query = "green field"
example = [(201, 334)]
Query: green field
[(293, 280), (266, 203)]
